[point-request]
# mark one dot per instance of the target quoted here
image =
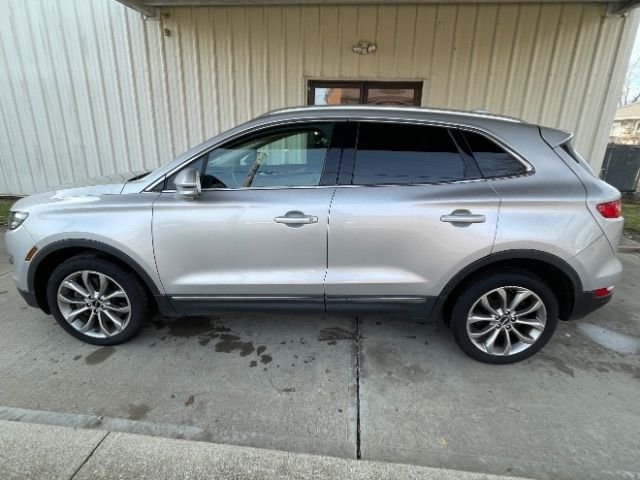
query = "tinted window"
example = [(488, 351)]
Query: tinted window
[(285, 157), (492, 159), (402, 153)]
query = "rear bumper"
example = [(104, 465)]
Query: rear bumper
[(587, 302)]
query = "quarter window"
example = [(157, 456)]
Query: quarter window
[(406, 154), (492, 159), (286, 157)]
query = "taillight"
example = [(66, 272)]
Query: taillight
[(610, 209), (603, 292)]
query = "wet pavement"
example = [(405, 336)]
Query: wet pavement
[(387, 388)]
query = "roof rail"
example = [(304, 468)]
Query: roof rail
[(473, 113)]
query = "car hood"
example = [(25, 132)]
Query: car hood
[(90, 187)]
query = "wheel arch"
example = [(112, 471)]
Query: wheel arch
[(49, 257), (555, 271)]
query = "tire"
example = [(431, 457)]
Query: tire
[(516, 334), (116, 310)]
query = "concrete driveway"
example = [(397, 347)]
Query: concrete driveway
[(382, 388)]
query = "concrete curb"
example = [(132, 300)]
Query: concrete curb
[(45, 451)]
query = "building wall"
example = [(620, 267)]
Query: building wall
[(89, 87), (625, 132)]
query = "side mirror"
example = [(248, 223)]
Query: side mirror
[(188, 184)]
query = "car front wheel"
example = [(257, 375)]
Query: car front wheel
[(97, 301), (504, 317)]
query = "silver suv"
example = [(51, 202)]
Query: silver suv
[(495, 225)]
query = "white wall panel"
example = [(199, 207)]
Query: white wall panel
[(89, 87)]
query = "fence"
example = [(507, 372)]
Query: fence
[(621, 167)]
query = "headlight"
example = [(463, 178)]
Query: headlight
[(16, 219)]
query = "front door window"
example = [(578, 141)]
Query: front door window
[(292, 156)]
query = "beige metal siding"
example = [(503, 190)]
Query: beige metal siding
[(89, 87)]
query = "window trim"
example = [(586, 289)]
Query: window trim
[(336, 145), (364, 86)]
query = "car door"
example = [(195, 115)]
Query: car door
[(258, 231), (410, 213)]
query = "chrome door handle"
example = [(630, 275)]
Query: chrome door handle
[(463, 216), (304, 220)]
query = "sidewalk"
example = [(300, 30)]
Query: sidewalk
[(31, 451)]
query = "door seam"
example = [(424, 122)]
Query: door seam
[(495, 231), (326, 269), (153, 242)]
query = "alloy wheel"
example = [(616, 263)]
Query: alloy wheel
[(506, 321), (94, 304)]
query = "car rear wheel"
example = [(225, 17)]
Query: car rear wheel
[(97, 301), (504, 317)]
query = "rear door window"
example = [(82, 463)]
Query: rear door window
[(493, 160), (390, 153)]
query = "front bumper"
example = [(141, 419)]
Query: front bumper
[(30, 298), (587, 302), (18, 243)]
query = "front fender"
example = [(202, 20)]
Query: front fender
[(146, 272)]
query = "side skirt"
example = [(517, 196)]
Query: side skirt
[(183, 305), (374, 304), (207, 304)]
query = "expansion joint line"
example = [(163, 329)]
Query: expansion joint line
[(88, 456)]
